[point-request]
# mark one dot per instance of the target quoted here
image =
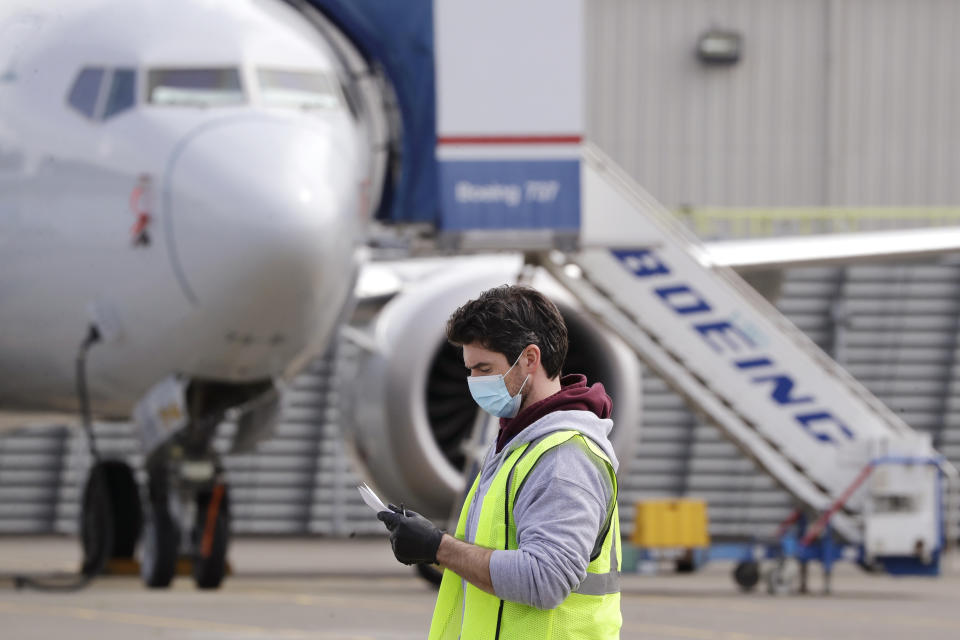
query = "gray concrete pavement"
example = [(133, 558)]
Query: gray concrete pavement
[(338, 589)]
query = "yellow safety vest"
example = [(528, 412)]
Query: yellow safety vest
[(592, 610)]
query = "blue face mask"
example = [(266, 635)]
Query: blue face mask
[(490, 392)]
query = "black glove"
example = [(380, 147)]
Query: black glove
[(414, 538)]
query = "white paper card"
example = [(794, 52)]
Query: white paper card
[(371, 498)]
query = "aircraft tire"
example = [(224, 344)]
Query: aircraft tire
[(96, 522), (127, 510), (687, 562), (161, 544), (747, 575), (209, 571)]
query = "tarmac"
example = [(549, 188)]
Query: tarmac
[(354, 589)]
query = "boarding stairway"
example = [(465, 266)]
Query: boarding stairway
[(735, 359)]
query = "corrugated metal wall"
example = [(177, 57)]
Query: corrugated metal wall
[(834, 102)]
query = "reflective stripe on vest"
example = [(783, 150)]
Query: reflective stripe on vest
[(592, 610), (601, 584)]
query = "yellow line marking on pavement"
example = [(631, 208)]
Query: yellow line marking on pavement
[(160, 622)]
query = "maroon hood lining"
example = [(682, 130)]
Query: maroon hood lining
[(574, 395)]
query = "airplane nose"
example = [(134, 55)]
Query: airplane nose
[(263, 222)]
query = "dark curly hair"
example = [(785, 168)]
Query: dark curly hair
[(508, 318)]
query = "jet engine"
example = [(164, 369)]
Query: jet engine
[(409, 413)]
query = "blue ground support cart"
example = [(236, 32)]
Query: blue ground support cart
[(798, 542)]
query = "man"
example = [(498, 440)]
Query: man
[(536, 551)]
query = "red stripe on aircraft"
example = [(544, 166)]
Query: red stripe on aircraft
[(567, 139)]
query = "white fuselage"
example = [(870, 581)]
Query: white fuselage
[(252, 208)]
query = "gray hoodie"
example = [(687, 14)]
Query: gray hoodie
[(559, 513)]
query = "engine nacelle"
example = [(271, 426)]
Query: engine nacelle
[(408, 407)]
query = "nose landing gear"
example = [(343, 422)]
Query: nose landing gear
[(187, 512), (112, 520), (182, 496)]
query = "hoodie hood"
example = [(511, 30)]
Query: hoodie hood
[(575, 406)]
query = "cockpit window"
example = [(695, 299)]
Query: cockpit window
[(298, 89), (194, 87), (85, 90), (122, 94)]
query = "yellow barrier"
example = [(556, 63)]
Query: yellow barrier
[(674, 523)]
